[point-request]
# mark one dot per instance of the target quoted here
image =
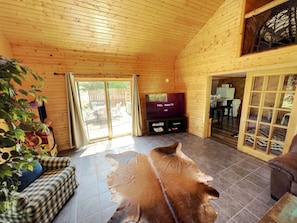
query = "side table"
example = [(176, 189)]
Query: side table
[(284, 210)]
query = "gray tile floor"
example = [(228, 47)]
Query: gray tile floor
[(243, 181)]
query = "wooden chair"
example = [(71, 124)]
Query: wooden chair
[(239, 112), (218, 112), (229, 109)]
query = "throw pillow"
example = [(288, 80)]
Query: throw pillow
[(29, 176)]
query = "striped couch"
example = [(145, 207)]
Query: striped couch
[(45, 197)]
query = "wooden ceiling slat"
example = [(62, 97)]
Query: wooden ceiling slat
[(84, 32), (81, 37), (89, 27), (161, 8), (59, 18), (115, 10), (79, 27), (123, 49), (135, 26)]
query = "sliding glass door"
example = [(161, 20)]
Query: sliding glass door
[(119, 100), (105, 107)]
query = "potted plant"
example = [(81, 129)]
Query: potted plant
[(15, 119)]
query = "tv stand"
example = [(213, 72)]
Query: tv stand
[(166, 125)]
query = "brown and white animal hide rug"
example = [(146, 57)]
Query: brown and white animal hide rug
[(165, 186)]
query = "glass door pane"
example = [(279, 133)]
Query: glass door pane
[(105, 108), (268, 113), (119, 97), (94, 109)]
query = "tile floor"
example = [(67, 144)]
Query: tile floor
[(243, 181)]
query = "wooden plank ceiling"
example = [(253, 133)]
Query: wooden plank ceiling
[(124, 27)]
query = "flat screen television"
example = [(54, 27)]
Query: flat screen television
[(165, 105)]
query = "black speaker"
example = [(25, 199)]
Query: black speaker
[(42, 112)]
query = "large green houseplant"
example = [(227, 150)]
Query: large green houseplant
[(15, 119)]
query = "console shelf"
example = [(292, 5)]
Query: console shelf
[(166, 125)]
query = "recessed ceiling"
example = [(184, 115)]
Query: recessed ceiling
[(125, 27)]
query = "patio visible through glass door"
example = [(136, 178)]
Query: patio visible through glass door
[(106, 108), (119, 98)]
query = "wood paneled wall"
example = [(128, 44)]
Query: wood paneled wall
[(254, 4), (215, 50), (237, 82), (45, 61), (5, 49)]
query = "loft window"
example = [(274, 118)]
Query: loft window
[(273, 28)]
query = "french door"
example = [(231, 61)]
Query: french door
[(105, 107), (267, 126)]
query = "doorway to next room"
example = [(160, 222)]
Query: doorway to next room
[(225, 108)]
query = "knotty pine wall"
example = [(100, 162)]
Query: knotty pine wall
[(5, 49), (45, 61), (237, 82), (215, 50)]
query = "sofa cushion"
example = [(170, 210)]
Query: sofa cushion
[(29, 176), (52, 163), (47, 184), (287, 163)]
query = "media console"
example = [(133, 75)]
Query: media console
[(166, 125)]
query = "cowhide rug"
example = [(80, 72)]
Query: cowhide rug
[(165, 186)]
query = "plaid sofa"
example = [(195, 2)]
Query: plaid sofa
[(45, 197)]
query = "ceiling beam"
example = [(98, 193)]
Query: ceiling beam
[(264, 8)]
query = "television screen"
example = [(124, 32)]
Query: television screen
[(165, 105)]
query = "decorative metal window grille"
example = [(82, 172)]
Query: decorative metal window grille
[(271, 29)]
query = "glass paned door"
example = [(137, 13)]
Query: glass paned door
[(269, 106), (93, 105), (119, 98), (105, 108)]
